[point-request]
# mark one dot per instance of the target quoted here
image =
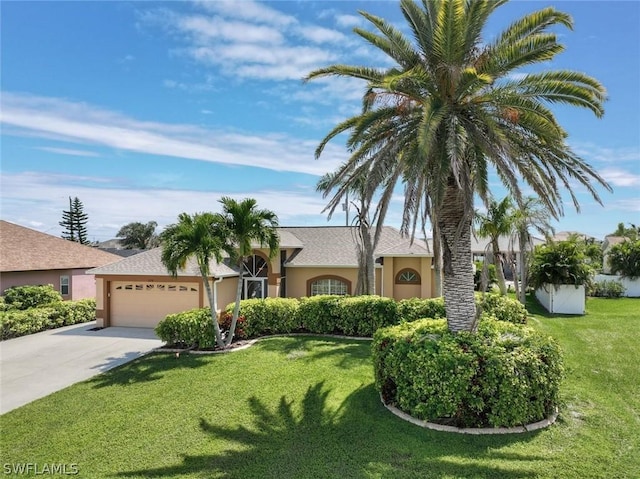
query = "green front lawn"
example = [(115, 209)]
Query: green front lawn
[(292, 407)]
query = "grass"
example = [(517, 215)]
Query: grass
[(305, 407)]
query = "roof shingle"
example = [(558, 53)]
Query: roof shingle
[(24, 249)]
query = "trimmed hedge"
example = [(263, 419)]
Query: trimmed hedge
[(267, 316), (15, 322), (502, 308), (188, 329), (323, 314), (30, 296), (505, 375), (416, 308)]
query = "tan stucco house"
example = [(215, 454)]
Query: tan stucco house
[(29, 257), (138, 291)]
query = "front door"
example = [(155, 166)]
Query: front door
[(255, 288)]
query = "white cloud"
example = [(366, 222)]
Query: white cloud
[(347, 21), (82, 123), (321, 35), (626, 204), (620, 177), (37, 199), (67, 151), (595, 153), (249, 10), (206, 29)]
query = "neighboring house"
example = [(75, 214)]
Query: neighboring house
[(565, 235), (609, 242), (138, 291), (115, 246), (29, 257), (480, 247)]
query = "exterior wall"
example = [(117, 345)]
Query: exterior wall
[(104, 286), (392, 266), (632, 286), (226, 293), (297, 278), (80, 285), (562, 299)]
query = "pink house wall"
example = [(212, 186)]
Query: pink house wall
[(80, 285)]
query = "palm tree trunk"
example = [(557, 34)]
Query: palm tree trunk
[(497, 258), (522, 239), (236, 307), (454, 225), (214, 313), (437, 263)]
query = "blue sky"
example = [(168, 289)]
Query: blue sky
[(147, 109)]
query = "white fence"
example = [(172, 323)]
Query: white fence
[(632, 287), (562, 299)]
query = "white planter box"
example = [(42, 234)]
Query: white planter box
[(632, 287), (562, 299)]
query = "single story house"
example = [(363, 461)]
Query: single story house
[(138, 291), (29, 257)]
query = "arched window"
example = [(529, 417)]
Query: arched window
[(328, 285), (256, 266), (408, 276), (256, 272)]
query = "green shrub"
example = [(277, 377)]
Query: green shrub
[(25, 297), (319, 314), (362, 315), (505, 375), (503, 308), (268, 316), (624, 259), (416, 308), (562, 262), (189, 329), (607, 289), (225, 319), (15, 323)]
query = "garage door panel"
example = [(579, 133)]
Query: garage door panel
[(144, 305)]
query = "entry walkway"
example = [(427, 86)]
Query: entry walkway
[(34, 366)]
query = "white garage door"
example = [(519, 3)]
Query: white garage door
[(144, 305)]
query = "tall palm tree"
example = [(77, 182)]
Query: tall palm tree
[(368, 220), (529, 215), (199, 236), (450, 109), (496, 222), (246, 225)]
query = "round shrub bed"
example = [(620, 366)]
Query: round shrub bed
[(505, 375)]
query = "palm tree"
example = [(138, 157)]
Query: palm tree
[(530, 215), (199, 236), (450, 109), (246, 225), (496, 222), (363, 187)]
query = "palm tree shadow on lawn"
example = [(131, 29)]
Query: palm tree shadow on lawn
[(145, 369), (360, 439)]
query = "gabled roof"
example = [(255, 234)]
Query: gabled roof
[(336, 246), (150, 263), (505, 243), (314, 246), (24, 249)]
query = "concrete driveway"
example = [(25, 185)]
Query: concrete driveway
[(34, 366)]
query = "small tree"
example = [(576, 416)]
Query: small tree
[(138, 235), (199, 236), (562, 262), (624, 259), (243, 225), (75, 221)]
